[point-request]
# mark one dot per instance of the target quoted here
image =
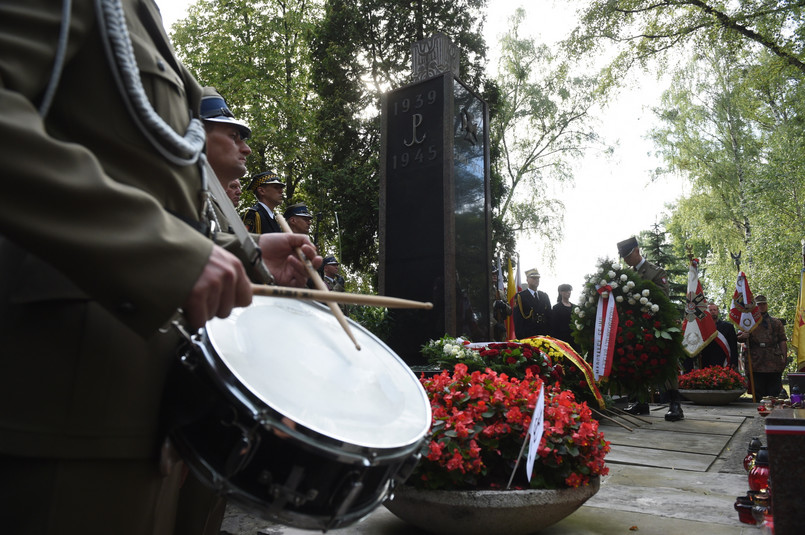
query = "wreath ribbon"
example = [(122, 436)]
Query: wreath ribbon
[(606, 328)]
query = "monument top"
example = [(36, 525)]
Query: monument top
[(433, 56)]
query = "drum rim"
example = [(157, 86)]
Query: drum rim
[(212, 352)]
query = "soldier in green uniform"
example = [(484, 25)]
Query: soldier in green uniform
[(629, 251), (768, 349), (105, 243)]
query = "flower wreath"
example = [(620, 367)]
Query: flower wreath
[(712, 378), (648, 341), (480, 421)]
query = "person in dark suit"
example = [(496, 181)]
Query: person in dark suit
[(268, 189), (532, 309), (97, 263), (561, 316), (714, 353)]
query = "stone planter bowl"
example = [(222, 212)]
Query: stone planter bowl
[(482, 512), (712, 397)]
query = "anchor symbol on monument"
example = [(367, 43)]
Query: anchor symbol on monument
[(416, 120)]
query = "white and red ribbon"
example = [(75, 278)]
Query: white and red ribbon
[(606, 329)]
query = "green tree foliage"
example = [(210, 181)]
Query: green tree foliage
[(543, 122), (255, 54), (361, 49), (732, 126), (647, 28)]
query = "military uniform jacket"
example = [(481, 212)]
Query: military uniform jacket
[(257, 220), (655, 274), (764, 346), (532, 314), (99, 248)]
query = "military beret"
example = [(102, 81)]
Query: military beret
[(266, 177), (215, 110), (299, 210), (626, 247)]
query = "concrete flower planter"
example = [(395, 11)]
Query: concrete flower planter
[(712, 397), (481, 512)]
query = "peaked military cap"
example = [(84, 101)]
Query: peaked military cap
[(297, 210), (266, 177), (534, 272), (626, 247), (214, 109), (329, 261)]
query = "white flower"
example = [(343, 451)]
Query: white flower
[(576, 310), (603, 282), (611, 274), (643, 300), (614, 284), (624, 278), (655, 308), (631, 301), (581, 313), (619, 299), (579, 326), (646, 293)]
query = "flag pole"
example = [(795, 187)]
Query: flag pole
[(737, 259)]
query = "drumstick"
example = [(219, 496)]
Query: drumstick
[(311, 271), (338, 297)]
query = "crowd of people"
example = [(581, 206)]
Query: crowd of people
[(761, 352)]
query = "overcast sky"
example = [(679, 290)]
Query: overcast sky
[(612, 198)]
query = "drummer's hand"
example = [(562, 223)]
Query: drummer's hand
[(222, 286), (281, 260)]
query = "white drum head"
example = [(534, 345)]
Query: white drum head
[(294, 356)]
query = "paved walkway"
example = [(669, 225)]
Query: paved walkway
[(665, 478)]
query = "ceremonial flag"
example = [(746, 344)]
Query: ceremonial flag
[(535, 431), (798, 339), (744, 313), (606, 330), (698, 327), (512, 289)]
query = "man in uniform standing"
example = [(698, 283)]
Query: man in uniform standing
[(94, 266), (268, 189), (768, 351), (298, 218), (532, 309), (629, 251)]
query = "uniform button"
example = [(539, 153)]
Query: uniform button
[(161, 65)]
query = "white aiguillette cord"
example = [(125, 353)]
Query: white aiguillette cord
[(228, 209)]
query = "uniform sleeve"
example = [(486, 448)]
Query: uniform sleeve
[(82, 192)]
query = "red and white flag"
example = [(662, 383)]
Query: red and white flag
[(744, 313), (698, 327)]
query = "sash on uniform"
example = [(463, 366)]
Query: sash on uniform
[(698, 327), (606, 329), (744, 313)]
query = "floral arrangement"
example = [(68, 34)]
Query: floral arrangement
[(480, 420), (648, 341), (712, 378), (512, 358)]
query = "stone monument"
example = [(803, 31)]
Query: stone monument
[(435, 209)]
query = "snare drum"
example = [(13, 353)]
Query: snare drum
[(276, 409)]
